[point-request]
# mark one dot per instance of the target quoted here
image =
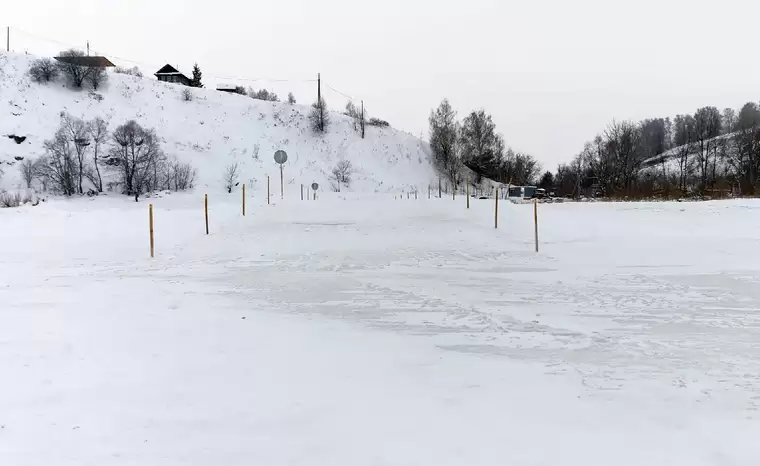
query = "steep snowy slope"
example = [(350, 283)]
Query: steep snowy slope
[(211, 131)]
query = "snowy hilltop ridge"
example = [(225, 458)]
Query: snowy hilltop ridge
[(210, 132)]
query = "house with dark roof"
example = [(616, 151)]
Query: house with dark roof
[(88, 61), (170, 74)]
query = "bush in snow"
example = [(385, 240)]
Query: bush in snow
[(134, 71), (263, 94), (187, 95), (10, 200), (96, 77), (341, 174), (378, 122), (231, 177), (291, 98), (43, 70)]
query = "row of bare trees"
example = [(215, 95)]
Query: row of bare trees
[(79, 149), (709, 151), (474, 143)]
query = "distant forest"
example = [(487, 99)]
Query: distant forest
[(710, 153), (707, 154)]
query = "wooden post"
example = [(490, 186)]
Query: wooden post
[(429, 189), (150, 222), (282, 184), (439, 189), (535, 220), (468, 192), (302, 192), (267, 189), (243, 200), (415, 194), (205, 208), (496, 209)]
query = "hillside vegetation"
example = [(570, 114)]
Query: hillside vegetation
[(203, 128)]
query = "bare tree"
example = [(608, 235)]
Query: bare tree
[(76, 74), (231, 176), (98, 131), (78, 132), (443, 140), (134, 157), (707, 126), (28, 171), (59, 168), (187, 95), (97, 76), (291, 98), (319, 116), (43, 70)]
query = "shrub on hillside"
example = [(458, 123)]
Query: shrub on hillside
[(187, 95), (341, 174), (96, 77), (134, 71), (378, 122), (8, 200), (263, 94), (43, 70)]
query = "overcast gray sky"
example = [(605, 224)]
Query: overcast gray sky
[(551, 72)]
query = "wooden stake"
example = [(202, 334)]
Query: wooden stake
[(439, 189), (496, 209), (243, 200), (302, 192), (429, 189), (535, 220), (150, 222), (468, 192), (267, 189), (205, 207)]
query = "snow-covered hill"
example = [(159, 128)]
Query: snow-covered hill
[(211, 131)]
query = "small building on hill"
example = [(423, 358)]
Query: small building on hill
[(231, 88), (91, 62), (170, 74)]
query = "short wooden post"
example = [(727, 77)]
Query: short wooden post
[(467, 193), (150, 222), (535, 221), (205, 208), (267, 189), (429, 189), (439, 189), (302, 192), (496, 209), (243, 200)]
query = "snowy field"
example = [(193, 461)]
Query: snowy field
[(374, 331)]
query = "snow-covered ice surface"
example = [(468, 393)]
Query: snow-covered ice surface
[(365, 330)]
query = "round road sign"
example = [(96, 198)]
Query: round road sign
[(280, 157), (314, 186)]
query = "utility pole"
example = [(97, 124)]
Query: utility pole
[(362, 119), (319, 102), (88, 48)]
